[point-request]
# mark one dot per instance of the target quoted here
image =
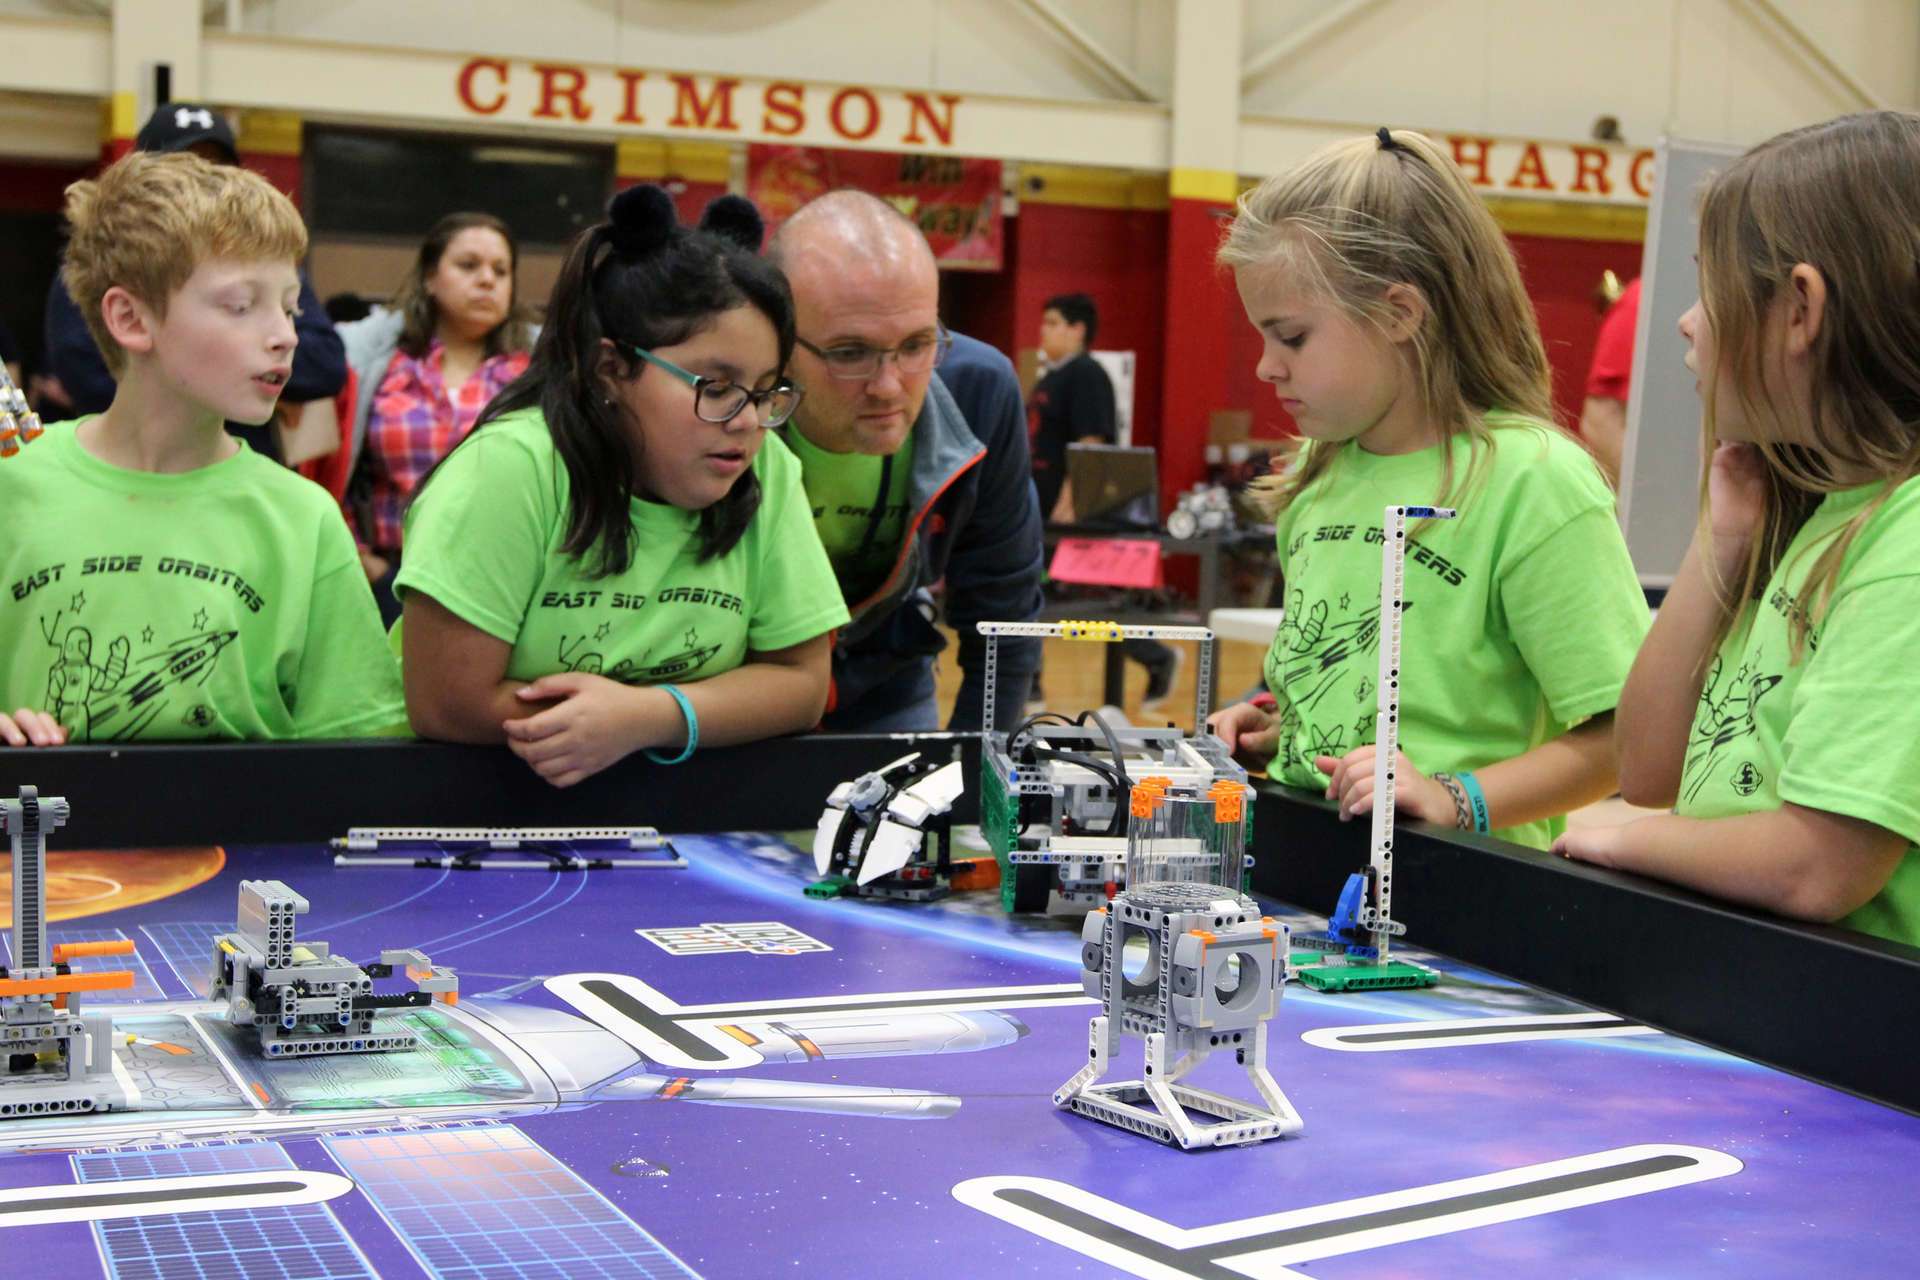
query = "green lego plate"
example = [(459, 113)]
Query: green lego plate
[(1367, 977), (831, 887)]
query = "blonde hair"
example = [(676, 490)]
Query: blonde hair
[(1391, 208), (150, 219), (1839, 197)]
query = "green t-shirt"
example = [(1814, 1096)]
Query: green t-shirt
[(484, 540), (226, 602), (843, 489), (1833, 731), (1522, 614)]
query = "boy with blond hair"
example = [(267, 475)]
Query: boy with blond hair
[(159, 579)]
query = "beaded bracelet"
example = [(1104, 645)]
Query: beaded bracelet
[(1462, 815), (693, 729)]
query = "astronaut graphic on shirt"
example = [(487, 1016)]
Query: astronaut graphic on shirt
[(1724, 722), (1326, 656), (114, 694)]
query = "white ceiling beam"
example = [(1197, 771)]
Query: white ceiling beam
[(1796, 38), (1329, 19), (1089, 48)]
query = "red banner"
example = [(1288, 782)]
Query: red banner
[(955, 201)]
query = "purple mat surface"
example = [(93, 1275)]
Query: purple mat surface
[(702, 1072)]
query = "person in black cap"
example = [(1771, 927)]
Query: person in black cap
[(319, 361), (183, 126)]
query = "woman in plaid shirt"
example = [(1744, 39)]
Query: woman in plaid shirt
[(426, 368)]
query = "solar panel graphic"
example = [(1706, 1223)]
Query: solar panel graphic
[(489, 1203), (145, 985), (187, 947), (298, 1242)]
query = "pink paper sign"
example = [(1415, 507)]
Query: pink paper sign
[(1108, 562)]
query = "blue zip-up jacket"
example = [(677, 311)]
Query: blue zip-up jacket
[(975, 526)]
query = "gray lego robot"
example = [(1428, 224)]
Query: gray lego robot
[(1184, 961), (58, 1059), (18, 424), (298, 996), (1053, 791)]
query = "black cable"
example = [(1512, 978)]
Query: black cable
[(1115, 774), (1113, 744)]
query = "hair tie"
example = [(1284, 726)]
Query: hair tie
[(640, 220), (1386, 139)]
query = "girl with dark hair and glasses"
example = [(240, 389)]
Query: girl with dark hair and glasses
[(619, 558)]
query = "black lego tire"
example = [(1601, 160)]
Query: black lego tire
[(1032, 887)]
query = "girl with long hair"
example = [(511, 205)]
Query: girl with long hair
[(1772, 706), (1397, 334), (620, 558)]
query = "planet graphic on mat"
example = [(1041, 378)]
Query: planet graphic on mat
[(83, 882)]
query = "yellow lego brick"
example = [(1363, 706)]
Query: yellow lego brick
[(1094, 629)]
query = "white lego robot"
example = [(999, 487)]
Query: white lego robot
[(887, 834)]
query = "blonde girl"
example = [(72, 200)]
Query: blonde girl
[(1773, 704), (1397, 334)]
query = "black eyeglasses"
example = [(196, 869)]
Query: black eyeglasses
[(858, 362), (717, 400)]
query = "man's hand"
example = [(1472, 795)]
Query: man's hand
[(1063, 507)]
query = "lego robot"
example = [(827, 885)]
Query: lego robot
[(477, 848), (888, 834), (58, 1059), (1053, 791), (299, 997), (1354, 953), (18, 424), (1209, 977)]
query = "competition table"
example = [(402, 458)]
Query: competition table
[(702, 1072)]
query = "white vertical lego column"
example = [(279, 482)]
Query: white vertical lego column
[(1377, 917), (1386, 720), (1203, 692), (991, 682)]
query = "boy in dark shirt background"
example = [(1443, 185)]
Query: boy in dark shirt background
[(1074, 404)]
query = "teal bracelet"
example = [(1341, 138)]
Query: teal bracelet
[(1477, 798), (693, 730)]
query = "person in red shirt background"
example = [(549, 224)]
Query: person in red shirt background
[(1603, 418)]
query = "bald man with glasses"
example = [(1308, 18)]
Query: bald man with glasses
[(913, 443)]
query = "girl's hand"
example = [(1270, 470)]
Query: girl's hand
[(29, 727), (1598, 845), (1350, 781), (1736, 496), (595, 722), (1248, 731)]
